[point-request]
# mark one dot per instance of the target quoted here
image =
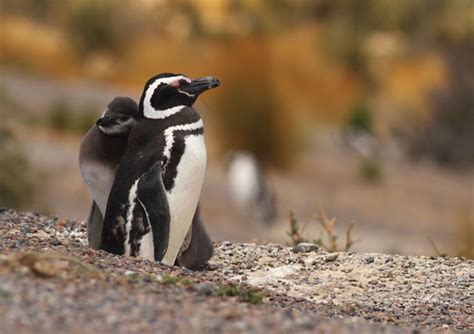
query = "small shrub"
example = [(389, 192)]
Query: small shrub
[(176, 280), (327, 239), (228, 290), (295, 232), (245, 295), (252, 297)]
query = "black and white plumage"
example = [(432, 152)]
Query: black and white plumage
[(155, 195), (99, 156), (249, 187)]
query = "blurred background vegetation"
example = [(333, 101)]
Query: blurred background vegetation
[(365, 105)]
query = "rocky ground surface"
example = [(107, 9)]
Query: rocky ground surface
[(51, 282)]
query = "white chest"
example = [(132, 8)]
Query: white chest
[(183, 199), (184, 196)]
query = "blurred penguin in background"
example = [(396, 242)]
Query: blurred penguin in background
[(249, 187)]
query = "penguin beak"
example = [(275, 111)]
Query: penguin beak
[(200, 85), (105, 121), (99, 121)]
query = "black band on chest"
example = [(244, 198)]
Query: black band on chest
[(176, 153)]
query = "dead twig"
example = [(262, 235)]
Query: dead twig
[(435, 248)]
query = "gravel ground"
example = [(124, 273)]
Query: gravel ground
[(51, 282)]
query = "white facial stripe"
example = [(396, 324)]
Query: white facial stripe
[(169, 134), (148, 110), (186, 93), (161, 114), (169, 80)]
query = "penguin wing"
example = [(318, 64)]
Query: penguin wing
[(95, 222), (151, 195)]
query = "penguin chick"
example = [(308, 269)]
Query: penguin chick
[(99, 156)]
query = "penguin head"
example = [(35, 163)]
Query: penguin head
[(167, 92), (119, 117)]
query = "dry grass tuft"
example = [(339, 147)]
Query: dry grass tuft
[(295, 232), (327, 239)]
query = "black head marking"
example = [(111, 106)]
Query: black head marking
[(167, 91)]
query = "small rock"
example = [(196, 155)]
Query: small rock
[(332, 257), (305, 247), (204, 289), (185, 271), (368, 258), (55, 242)]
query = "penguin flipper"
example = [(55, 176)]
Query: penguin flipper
[(152, 197), (200, 248), (95, 221)]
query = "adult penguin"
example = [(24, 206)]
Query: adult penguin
[(157, 187)]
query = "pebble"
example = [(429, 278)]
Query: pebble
[(204, 289), (367, 258), (305, 247), (331, 257)]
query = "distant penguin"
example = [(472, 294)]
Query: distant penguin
[(155, 195), (99, 156), (249, 187)]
